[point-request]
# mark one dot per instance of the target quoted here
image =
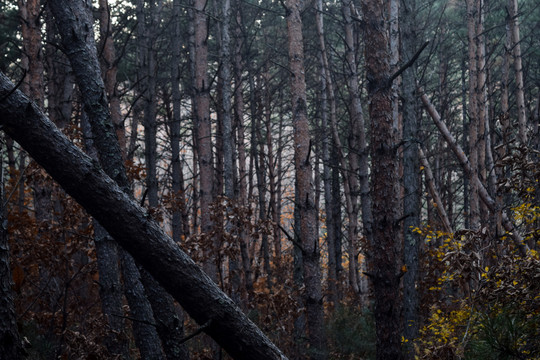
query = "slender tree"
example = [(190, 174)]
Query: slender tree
[(304, 198)]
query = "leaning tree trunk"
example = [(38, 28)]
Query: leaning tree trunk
[(386, 249), (73, 21), (129, 224), (305, 201)]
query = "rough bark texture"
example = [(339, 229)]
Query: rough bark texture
[(10, 343), (411, 181), (74, 24), (130, 225), (304, 197), (109, 70), (386, 250), (203, 124)]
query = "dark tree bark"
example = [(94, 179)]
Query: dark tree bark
[(10, 342), (411, 168), (385, 248), (304, 197), (74, 24), (132, 228)]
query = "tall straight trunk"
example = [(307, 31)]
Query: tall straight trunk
[(106, 248), (518, 68), (203, 138), (481, 95), (30, 15), (260, 173), (203, 124), (240, 143), (73, 20), (386, 249), (129, 224), (146, 33), (229, 166), (272, 176), (411, 178), (60, 81), (358, 122), (10, 344), (109, 69), (349, 165), (313, 299), (465, 142), (180, 229), (348, 173), (327, 180), (474, 202)]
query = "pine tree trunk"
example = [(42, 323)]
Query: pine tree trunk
[(10, 342), (411, 178), (305, 201), (518, 68), (129, 224), (385, 249), (73, 21), (474, 202)]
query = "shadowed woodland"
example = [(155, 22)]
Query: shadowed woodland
[(293, 179)]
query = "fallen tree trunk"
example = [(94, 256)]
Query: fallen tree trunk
[(132, 227)]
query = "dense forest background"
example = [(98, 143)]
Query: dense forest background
[(360, 177)]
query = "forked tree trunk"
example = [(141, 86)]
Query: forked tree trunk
[(129, 224)]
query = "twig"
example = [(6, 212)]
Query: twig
[(196, 332)]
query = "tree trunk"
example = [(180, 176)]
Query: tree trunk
[(386, 250), (129, 224), (411, 178), (474, 204), (203, 127), (303, 182), (10, 342), (357, 119), (327, 178), (518, 68), (73, 21)]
